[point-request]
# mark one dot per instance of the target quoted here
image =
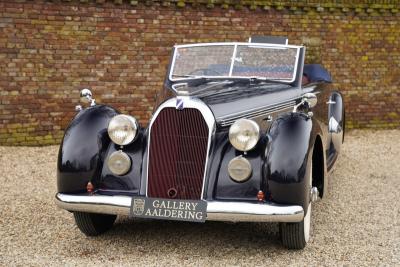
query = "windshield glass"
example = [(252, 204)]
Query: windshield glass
[(235, 60)]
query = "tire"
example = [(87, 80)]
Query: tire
[(297, 235), (344, 124), (93, 224)]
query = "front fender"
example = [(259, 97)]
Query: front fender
[(288, 159), (81, 153)]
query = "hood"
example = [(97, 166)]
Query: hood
[(232, 102)]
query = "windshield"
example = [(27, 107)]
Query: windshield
[(235, 60)]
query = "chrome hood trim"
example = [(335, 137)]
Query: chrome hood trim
[(248, 114), (231, 107)]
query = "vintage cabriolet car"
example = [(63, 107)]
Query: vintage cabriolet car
[(241, 132)]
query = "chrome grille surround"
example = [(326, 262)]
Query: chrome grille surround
[(188, 102)]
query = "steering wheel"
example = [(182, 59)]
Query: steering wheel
[(209, 72)]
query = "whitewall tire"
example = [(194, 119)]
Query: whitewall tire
[(297, 235)]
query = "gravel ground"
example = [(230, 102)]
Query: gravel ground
[(357, 224)]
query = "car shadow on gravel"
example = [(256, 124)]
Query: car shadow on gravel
[(194, 235)]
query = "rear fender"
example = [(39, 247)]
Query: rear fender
[(336, 121), (82, 150)]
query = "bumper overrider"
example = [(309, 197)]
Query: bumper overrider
[(216, 210)]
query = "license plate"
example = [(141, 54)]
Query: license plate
[(169, 209)]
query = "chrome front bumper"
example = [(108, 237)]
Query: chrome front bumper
[(216, 210)]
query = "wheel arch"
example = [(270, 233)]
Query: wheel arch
[(291, 138), (319, 166), (82, 149)]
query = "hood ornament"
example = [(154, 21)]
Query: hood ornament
[(179, 104)]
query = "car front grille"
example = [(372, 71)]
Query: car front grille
[(177, 154)]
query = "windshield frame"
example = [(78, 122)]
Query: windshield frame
[(235, 44)]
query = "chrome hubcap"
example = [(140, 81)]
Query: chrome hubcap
[(314, 193)]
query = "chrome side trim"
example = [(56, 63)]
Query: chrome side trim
[(188, 102), (216, 210), (230, 119)]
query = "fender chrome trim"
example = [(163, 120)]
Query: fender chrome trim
[(216, 210)]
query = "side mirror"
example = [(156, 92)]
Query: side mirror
[(310, 99), (87, 97)]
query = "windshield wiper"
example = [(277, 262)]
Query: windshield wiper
[(233, 88), (199, 80), (196, 80), (209, 87), (257, 80), (187, 76)]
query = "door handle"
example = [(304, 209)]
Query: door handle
[(330, 102)]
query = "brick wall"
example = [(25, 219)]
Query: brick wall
[(120, 49)]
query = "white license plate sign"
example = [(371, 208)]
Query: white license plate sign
[(169, 209)]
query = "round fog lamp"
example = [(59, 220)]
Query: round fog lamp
[(122, 129), (244, 134), (239, 169), (119, 163)]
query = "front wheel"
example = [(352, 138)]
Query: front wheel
[(296, 235), (93, 224)]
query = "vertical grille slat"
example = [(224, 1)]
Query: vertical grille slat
[(177, 153)]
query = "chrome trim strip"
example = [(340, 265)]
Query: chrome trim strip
[(235, 44), (216, 210), (253, 212), (250, 111), (208, 116), (233, 60), (239, 43), (230, 119), (118, 205)]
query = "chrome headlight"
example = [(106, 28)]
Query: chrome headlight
[(239, 169), (244, 134), (122, 129), (119, 163)]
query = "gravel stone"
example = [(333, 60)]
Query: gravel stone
[(357, 224)]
